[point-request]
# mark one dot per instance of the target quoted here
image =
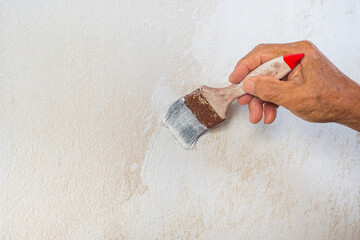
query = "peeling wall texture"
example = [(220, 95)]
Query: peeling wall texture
[(83, 154)]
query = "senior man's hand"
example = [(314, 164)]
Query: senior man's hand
[(316, 90)]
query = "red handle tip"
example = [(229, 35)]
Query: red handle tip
[(293, 59)]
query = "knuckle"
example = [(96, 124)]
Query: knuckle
[(266, 94), (308, 46), (260, 46)]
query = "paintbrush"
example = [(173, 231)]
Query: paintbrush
[(206, 107)]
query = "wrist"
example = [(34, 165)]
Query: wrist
[(350, 107)]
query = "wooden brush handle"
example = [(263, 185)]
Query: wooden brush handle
[(275, 67)]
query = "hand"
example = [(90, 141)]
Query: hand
[(316, 90)]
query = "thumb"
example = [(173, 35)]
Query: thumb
[(266, 88)]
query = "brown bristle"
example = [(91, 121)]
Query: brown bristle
[(203, 111)]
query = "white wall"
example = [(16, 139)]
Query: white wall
[(83, 155)]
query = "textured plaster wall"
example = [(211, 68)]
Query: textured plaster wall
[(83, 155)]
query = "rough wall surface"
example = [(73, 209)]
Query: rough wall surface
[(83, 86)]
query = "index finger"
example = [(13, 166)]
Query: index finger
[(259, 55)]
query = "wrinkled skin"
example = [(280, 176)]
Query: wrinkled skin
[(316, 90)]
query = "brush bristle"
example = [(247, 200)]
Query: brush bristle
[(183, 124)]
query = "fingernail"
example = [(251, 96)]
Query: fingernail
[(230, 77), (248, 86)]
